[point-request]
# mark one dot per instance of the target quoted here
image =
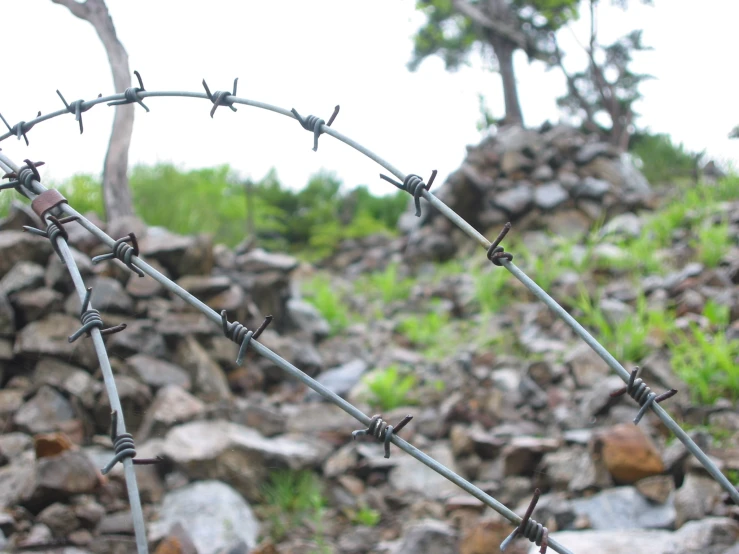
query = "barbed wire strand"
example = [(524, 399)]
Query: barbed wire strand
[(289, 368), (63, 249)]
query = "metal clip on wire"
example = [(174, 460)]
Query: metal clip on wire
[(54, 229), (220, 98), (76, 108), (379, 429), (239, 334), (20, 129), (496, 252), (91, 319), (644, 396), (414, 186), (315, 124), (131, 94), (123, 252), (124, 447), (529, 528)]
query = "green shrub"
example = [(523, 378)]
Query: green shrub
[(713, 243), (322, 294), (388, 389), (490, 288), (293, 498), (385, 285), (424, 330), (661, 159), (366, 516)]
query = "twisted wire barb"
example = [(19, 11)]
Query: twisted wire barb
[(262, 350), (60, 245), (644, 396), (449, 214)]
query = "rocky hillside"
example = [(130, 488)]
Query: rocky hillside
[(500, 390)]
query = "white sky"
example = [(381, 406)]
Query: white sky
[(312, 55)]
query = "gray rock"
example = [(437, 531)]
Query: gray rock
[(16, 246), (60, 518), (32, 305), (522, 454), (673, 279), (615, 311), (586, 366), (624, 508), (428, 536), (517, 138), (305, 317), (48, 337), (7, 317), (179, 255), (542, 173), (213, 514), (19, 214), (209, 381), (708, 536), (157, 373), (591, 187), (69, 473), (411, 476), (204, 286), (135, 398), (225, 450), (24, 275), (340, 380), (171, 406), (67, 378), (627, 224), (17, 481), (696, 498), (550, 195), (108, 295), (259, 260), (45, 412), (590, 151), (13, 445), (631, 178), (636, 541), (515, 201), (513, 162), (140, 337), (57, 274)]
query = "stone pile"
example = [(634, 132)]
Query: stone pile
[(541, 417)]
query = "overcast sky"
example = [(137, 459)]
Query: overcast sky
[(312, 55)]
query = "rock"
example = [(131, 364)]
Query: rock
[(17, 481), (71, 472), (628, 453), (515, 201), (146, 287), (107, 296), (592, 188), (657, 488), (209, 381), (213, 514), (19, 214), (409, 475), (39, 535), (23, 275), (586, 366), (67, 378), (44, 412), (708, 536), (118, 523), (627, 224), (588, 152), (306, 317), (259, 260), (487, 532), (426, 244), (171, 406), (574, 470), (269, 420), (32, 305), (51, 444), (636, 541), (57, 274), (224, 450), (192, 255), (16, 246), (568, 223), (696, 498), (7, 317), (428, 536), (522, 454), (158, 373), (140, 337), (340, 380), (624, 508), (204, 286), (48, 337), (60, 518), (615, 311), (550, 195), (135, 399), (513, 163), (542, 173)]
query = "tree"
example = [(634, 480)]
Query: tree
[(116, 191), (495, 28), (591, 93)]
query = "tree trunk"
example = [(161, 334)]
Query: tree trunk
[(504, 52), (116, 192)]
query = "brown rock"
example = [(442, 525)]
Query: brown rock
[(656, 488), (628, 453), (485, 537), (51, 444)]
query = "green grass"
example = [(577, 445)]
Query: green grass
[(388, 389), (294, 499), (323, 295), (492, 288), (426, 329), (366, 516), (386, 285), (713, 242)]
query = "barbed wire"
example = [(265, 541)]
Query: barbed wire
[(415, 186)]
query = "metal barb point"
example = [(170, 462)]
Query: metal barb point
[(220, 98), (644, 396), (379, 429), (413, 185), (91, 319), (131, 94), (530, 529), (495, 252), (75, 108), (123, 252)]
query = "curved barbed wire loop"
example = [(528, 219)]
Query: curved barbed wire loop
[(456, 219)]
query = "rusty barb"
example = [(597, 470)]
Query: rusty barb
[(123, 252), (124, 447), (529, 528), (91, 319), (239, 334), (644, 396), (413, 185), (496, 252), (21, 128), (131, 94)]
